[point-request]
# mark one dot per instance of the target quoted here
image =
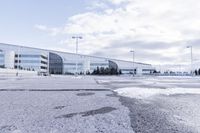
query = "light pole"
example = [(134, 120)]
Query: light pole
[(191, 59), (77, 38), (132, 51)]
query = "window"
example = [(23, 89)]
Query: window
[(43, 62), (99, 64), (55, 64), (28, 56), (27, 61), (44, 57), (42, 67)]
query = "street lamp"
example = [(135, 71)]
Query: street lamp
[(77, 38), (191, 58), (132, 51)]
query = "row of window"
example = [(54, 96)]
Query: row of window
[(30, 67), (147, 70), (31, 61), (26, 56), (27, 67), (31, 56), (73, 64), (127, 70), (99, 64)]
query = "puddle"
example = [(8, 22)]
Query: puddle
[(85, 94), (103, 110)]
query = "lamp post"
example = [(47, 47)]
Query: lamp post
[(77, 38), (191, 56), (132, 51)]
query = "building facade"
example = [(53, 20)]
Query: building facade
[(55, 62)]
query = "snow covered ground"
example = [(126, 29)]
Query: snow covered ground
[(160, 104), (60, 105)]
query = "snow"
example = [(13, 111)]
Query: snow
[(160, 104), (142, 93), (148, 87)]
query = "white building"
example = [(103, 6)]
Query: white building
[(55, 62)]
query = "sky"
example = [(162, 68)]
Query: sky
[(158, 31)]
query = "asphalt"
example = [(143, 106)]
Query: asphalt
[(161, 113), (60, 105)]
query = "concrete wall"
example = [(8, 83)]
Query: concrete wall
[(10, 59)]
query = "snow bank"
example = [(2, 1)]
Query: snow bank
[(142, 93), (12, 72)]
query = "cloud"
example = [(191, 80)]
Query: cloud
[(157, 29), (117, 2), (98, 4), (50, 31), (41, 27)]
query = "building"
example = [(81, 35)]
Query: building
[(56, 62)]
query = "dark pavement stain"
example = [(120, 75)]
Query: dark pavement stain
[(67, 115), (103, 110), (85, 94), (59, 107), (8, 128), (111, 95)]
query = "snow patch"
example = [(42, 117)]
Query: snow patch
[(142, 93)]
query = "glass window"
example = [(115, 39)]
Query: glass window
[(55, 64), (1, 55), (30, 56)]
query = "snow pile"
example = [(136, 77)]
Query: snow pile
[(76, 77), (142, 93), (103, 81)]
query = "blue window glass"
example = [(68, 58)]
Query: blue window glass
[(30, 61), (30, 56)]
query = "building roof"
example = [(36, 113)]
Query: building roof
[(48, 50)]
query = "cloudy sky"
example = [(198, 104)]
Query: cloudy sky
[(157, 30)]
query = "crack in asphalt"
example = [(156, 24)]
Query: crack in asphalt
[(55, 90)]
